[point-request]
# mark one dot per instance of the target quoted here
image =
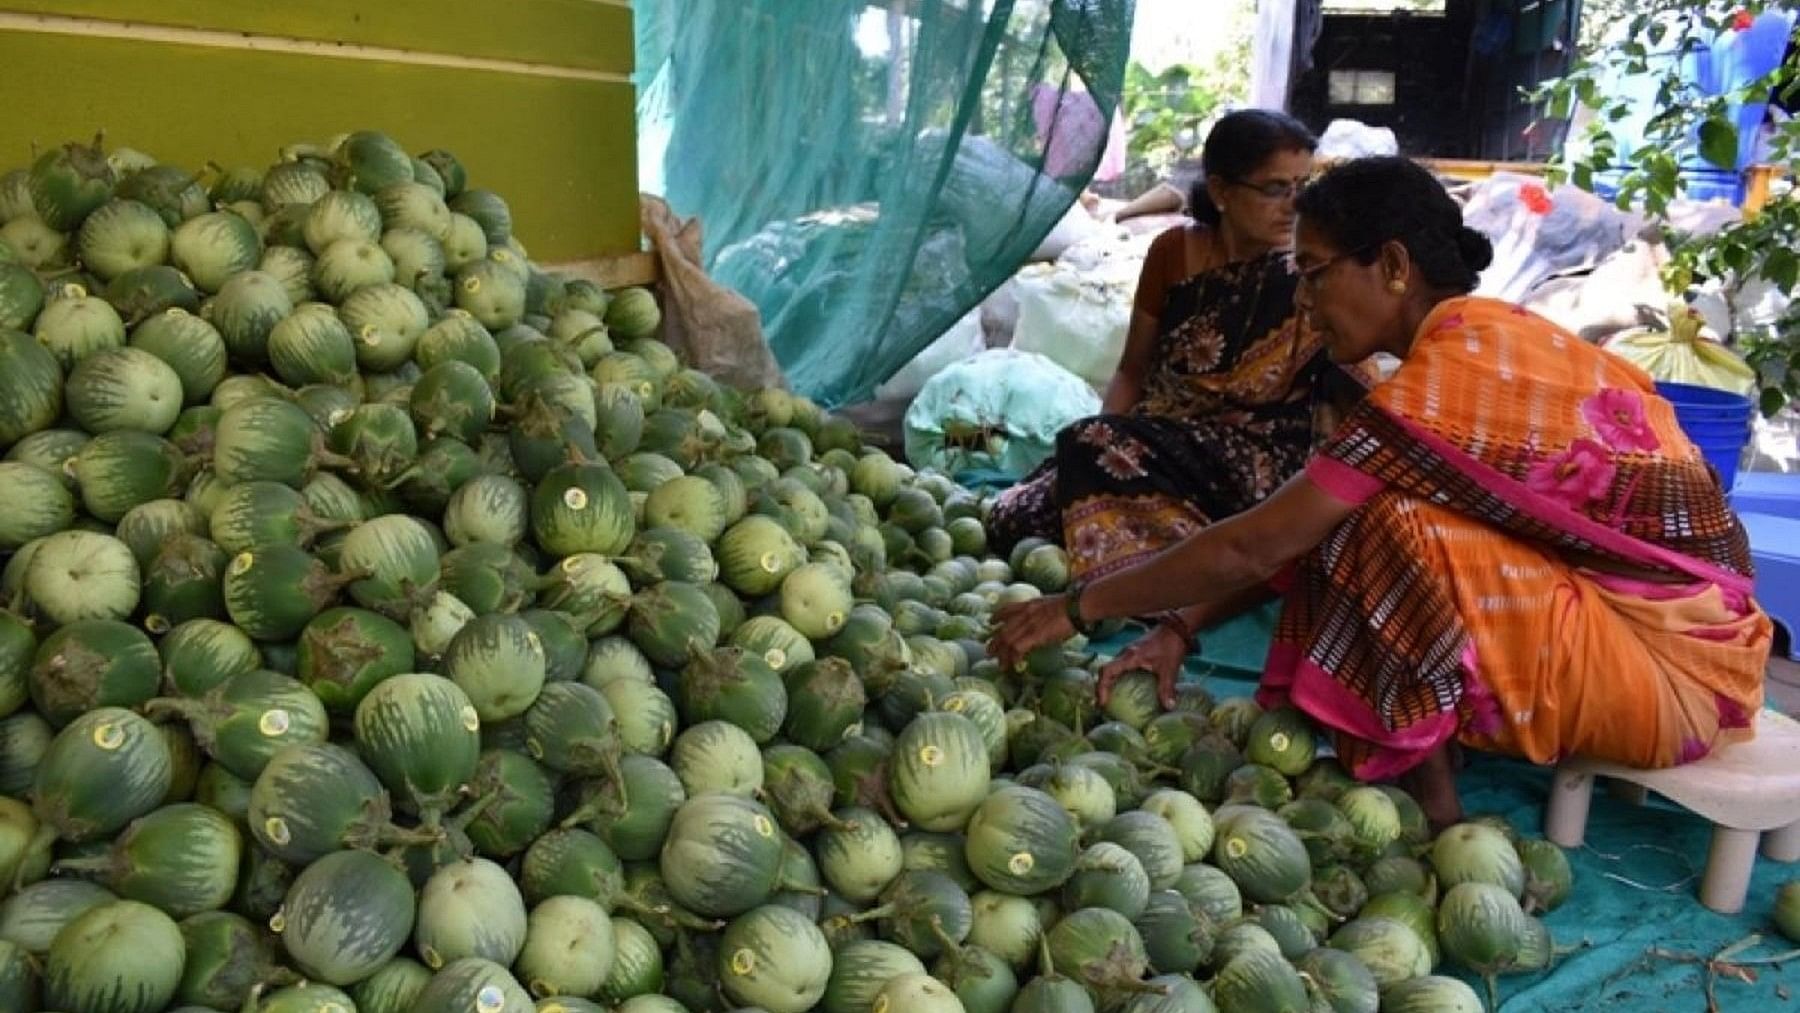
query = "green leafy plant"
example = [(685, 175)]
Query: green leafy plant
[(1686, 123)]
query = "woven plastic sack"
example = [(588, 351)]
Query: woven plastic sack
[(1675, 349), (1077, 320), (995, 415)]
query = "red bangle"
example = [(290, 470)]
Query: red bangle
[(1173, 619)]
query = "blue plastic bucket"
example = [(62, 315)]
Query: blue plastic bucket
[(1718, 421)]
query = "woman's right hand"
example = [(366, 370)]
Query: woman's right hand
[(1159, 652)]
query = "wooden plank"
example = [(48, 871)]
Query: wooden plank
[(586, 34), (620, 271), (1462, 168), (561, 151)]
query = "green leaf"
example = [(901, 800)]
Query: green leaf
[(1718, 143), (1782, 267), (1773, 400)]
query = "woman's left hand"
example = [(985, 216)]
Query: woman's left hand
[(1025, 626)]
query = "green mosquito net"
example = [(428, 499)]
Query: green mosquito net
[(866, 171)]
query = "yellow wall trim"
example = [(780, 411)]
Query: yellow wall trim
[(57, 24)]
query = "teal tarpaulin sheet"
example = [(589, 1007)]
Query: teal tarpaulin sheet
[(1635, 879)]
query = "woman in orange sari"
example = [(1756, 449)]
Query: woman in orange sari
[(1509, 545)]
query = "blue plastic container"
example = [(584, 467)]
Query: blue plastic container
[(1732, 60), (1718, 422)]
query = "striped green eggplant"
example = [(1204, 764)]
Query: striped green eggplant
[(227, 957), (272, 592), (21, 295), (30, 385), (470, 909), (346, 916), (378, 439), (345, 652), (736, 686), (396, 560), (498, 660), (422, 737), (387, 320), (183, 582), (514, 803), (314, 798), (572, 729), (482, 986), (37, 504), (148, 525), (722, 856), (632, 815), (122, 957), (487, 577), (272, 440), (119, 470), (419, 262), (144, 292), (311, 345), (487, 509), (452, 399), (459, 337), (213, 248), (93, 663), (245, 311), (261, 513), (103, 770), (581, 508), (647, 717), (24, 738), (181, 859), (32, 915), (246, 720), (443, 466), (202, 653), (123, 388), (393, 988)]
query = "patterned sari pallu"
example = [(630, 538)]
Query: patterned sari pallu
[(1509, 476)]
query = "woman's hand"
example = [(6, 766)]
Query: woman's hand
[(1159, 652), (1025, 626)]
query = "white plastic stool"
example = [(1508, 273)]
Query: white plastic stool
[(1750, 791)]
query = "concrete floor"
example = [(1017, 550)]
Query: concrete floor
[(1782, 686)]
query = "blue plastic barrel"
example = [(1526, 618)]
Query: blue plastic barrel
[(1733, 59), (1718, 421)]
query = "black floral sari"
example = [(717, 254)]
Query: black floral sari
[(1227, 416)]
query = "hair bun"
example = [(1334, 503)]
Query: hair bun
[(1476, 249)]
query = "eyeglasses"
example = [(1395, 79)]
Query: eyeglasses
[(1311, 276), (1274, 189)]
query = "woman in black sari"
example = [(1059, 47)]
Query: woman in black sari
[(1222, 391)]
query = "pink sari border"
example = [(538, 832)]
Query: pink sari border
[(1342, 481), (1550, 512)]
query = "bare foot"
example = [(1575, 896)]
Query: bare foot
[(1433, 785)]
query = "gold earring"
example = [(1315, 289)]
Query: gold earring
[(1397, 287)]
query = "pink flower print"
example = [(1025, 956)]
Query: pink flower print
[(1691, 749), (1577, 476), (1121, 460), (1617, 416), (1449, 323), (1731, 713)]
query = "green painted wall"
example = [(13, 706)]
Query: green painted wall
[(557, 144)]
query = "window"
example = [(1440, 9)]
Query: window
[(1361, 87), (1426, 7)]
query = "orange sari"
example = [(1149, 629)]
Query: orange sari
[(1503, 453)]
